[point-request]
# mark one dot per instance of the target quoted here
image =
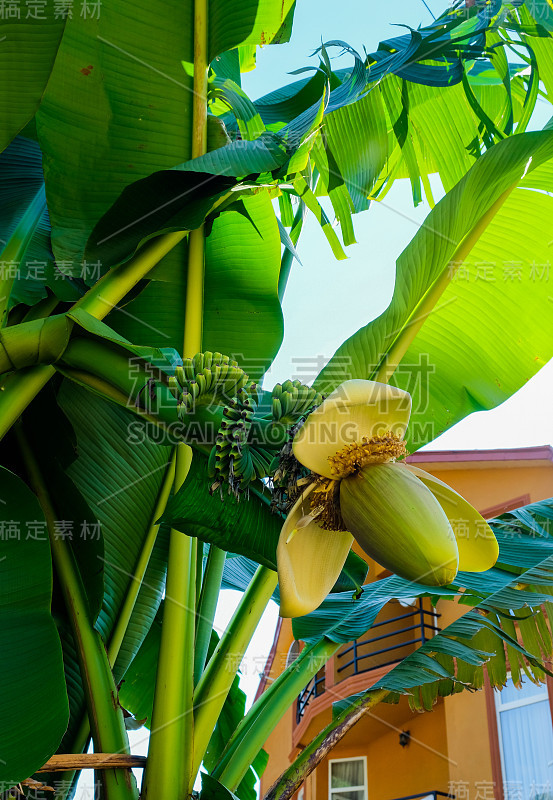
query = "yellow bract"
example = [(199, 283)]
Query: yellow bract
[(309, 561), (477, 545), (354, 410)]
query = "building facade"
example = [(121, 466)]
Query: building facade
[(483, 745)]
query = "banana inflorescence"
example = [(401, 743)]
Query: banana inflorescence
[(213, 378)]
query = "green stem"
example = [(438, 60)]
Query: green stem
[(199, 579), (262, 718), (106, 293), (14, 251), (21, 387), (292, 778), (104, 712), (207, 606), (214, 685), (171, 744), (117, 636)]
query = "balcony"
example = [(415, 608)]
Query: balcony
[(397, 632), (433, 795)]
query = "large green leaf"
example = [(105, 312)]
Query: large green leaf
[(458, 657), (102, 471), (251, 22), (53, 449), (121, 95), (108, 471), (24, 226), (30, 40), (28, 636), (493, 302), (242, 313), (120, 478), (122, 98)]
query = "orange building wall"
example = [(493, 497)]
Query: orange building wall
[(486, 488), (468, 742), (394, 771)]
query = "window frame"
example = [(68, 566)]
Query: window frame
[(364, 788), (509, 706)]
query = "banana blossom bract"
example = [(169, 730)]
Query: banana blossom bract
[(406, 519)]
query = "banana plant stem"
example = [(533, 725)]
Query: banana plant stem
[(169, 771), (292, 778), (170, 753), (247, 742), (21, 387), (296, 673), (106, 293), (207, 606), (118, 634), (104, 712), (171, 746), (216, 680)]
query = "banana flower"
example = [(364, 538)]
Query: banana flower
[(406, 519)]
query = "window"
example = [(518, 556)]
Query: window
[(525, 741), (347, 779)]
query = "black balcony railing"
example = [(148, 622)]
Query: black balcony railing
[(434, 794), (396, 639), (314, 688), (366, 654)]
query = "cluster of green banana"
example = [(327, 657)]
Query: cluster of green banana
[(291, 400), (207, 378), (232, 460)]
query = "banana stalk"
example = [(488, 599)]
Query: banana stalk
[(215, 683)]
